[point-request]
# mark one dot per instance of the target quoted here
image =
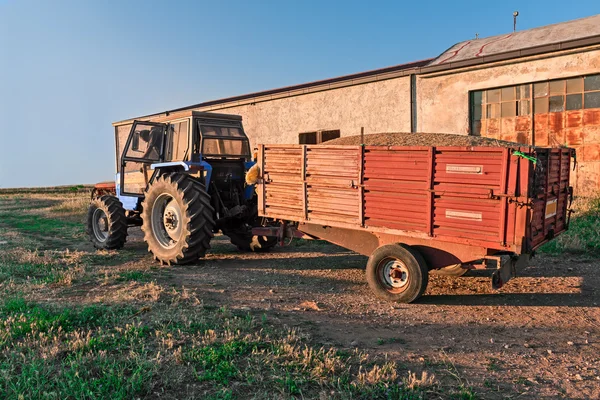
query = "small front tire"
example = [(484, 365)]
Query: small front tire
[(397, 272), (106, 223)]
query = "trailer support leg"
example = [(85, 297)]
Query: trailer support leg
[(507, 269)]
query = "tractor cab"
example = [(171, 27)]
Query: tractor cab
[(210, 146)]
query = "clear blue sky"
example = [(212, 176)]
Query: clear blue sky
[(70, 68)]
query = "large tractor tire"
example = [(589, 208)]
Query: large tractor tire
[(244, 240), (177, 219), (397, 272), (106, 223)]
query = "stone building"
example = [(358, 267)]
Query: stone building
[(539, 86)]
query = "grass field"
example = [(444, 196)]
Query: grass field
[(73, 327), (84, 324)]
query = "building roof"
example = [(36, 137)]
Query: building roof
[(520, 40)]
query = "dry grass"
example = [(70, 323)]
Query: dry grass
[(74, 325)]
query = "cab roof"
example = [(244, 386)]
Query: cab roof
[(181, 114)]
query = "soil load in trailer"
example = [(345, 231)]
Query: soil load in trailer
[(416, 209)]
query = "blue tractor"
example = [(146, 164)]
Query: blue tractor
[(182, 179)]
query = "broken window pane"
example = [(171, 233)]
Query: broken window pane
[(540, 106), (557, 103), (592, 100), (591, 82), (523, 92), (574, 102), (523, 107), (575, 85), (508, 93), (540, 89), (493, 111)]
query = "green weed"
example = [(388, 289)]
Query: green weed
[(583, 235), (136, 276), (49, 227)]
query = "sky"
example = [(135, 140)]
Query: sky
[(68, 69)]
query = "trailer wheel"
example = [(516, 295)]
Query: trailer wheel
[(397, 272), (451, 270), (106, 223), (177, 219)]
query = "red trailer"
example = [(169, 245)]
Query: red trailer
[(417, 209)]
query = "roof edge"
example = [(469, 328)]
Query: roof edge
[(421, 67), (342, 78)]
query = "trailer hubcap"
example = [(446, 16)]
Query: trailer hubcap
[(100, 225), (166, 220), (395, 274)]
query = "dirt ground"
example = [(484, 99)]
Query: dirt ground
[(538, 337)]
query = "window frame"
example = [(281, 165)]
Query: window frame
[(533, 98)]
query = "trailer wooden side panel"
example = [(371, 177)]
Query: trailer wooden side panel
[(491, 197)]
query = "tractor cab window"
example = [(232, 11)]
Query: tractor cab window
[(214, 147), (146, 142), (222, 131), (177, 142), (227, 141)]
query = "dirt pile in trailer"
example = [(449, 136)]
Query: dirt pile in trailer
[(423, 139)]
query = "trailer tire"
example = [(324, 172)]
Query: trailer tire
[(452, 270), (397, 272), (177, 219), (106, 223)]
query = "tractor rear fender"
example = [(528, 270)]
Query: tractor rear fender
[(185, 166), (130, 203), (249, 190)]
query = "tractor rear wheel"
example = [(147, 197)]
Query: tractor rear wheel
[(397, 272), (106, 223), (246, 241), (177, 219)]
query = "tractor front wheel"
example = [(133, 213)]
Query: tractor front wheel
[(106, 223), (177, 219)]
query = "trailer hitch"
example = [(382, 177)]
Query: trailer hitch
[(281, 232)]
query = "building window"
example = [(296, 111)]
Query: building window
[(318, 136), (308, 138), (567, 94), (591, 88), (490, 107)]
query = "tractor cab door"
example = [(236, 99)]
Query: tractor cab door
[(145, 146)]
